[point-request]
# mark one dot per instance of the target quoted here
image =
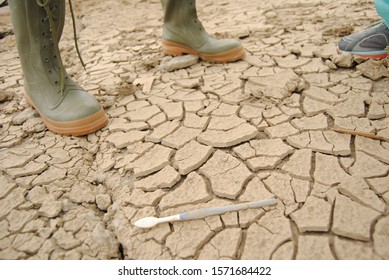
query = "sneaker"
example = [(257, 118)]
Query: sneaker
[(369, 43)]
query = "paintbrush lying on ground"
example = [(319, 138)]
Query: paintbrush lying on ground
[(149, 222), (360, 133)]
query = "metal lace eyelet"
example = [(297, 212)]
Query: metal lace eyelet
[(46, 60)]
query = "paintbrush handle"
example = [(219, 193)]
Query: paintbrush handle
[(202, 213)]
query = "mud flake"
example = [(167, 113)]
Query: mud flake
[(328, 170), (318, 122), (173, 110), (354, 105), (180, 62), (7, 186), (144, 114), (373, 69), (263, 162), (122, 124), (315, 215), (352, 220), (244, 151), (379, 185), (341, 142), (65, 239), (381, 237), (299, 164), (194, 121), (291, 61), (264, 237), (282, 130), (17, 157), (50, 207), (301, 189), (141, 198), (223, 245), (163, 179), (191, 156), (356, 188), (249, 112), (346, 249), (255, 190), (154, 160), (188, 237), (280, 185), (227, 174), (372, 147), (284, 252), (162, 131), (321, 95), (123, 139), (11, 201), (103, 201), (367, 166), (180, 137), (277, 86), (314, 247), (193, 190), (271, 148), (225, 123), (234, 136), (19, 218), (313, 107), (31, 168), (27, 243)]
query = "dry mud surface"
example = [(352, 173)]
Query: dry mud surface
[(186, 134)]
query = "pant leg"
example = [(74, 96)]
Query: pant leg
[(382, 7)]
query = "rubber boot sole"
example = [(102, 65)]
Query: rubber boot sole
[(174, 49), (79, 127)]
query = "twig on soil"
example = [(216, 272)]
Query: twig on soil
[(360, 133)]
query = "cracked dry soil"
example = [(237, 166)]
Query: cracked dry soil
[(186, 134)]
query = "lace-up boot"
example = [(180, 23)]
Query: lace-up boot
[(183, 33), (65, 107)]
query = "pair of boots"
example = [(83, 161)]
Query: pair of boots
[(65, 107)]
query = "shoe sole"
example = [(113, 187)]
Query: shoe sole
[(79, 127), (365, 56), (174, 49)]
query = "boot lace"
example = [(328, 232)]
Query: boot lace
[(45, 4)]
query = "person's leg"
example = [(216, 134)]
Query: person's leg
[(64, 106), (183, 33), (382, 7), (372, 42)]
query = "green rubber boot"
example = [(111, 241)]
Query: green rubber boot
[(184, 33), (63, 105)]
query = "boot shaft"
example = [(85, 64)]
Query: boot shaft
[(181, 24), (179, 11), (34, 37)]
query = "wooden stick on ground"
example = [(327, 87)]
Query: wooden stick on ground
[(360, 133)]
